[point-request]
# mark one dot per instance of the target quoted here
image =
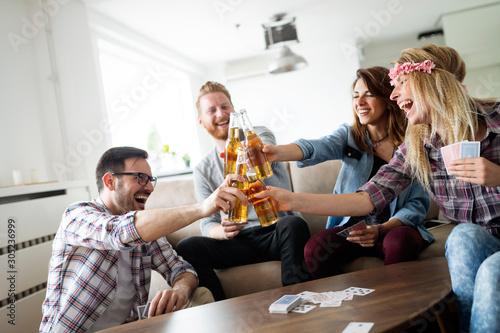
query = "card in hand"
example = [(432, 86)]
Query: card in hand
[(140, 311), (358, 226), (458, 150), (469, 149), (448, 155), (146, 310)]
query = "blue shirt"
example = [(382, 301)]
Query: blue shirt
[(410, 207)]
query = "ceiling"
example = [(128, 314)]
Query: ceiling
[(215, 31)]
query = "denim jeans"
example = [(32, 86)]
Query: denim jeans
[(474, 263)]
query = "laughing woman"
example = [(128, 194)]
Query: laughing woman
[(394, 234), (428, 87)]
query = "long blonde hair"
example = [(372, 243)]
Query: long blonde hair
[(449, 106)]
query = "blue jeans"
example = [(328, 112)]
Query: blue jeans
[(474, 263)]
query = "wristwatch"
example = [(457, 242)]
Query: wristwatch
[(381, 232)]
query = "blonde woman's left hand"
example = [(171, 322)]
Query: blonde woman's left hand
[(476, 170)]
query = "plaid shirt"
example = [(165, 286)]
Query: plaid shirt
[(84, 266), (459, 201)]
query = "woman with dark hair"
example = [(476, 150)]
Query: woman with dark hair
[(395, 234)]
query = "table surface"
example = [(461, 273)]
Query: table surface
[(405, 295)]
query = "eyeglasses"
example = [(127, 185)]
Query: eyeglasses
[(142, 178)]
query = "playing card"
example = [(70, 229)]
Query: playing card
[(140, 310), (303, 308), (357, 327), (331, 303), (455, 149), (360, 291), (344, 233), (448, 157), (458, 150), (146, 310), (358, 226), (307, 296), (469, 149), (320, 297)]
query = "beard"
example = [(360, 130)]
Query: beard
[(218, 133), (123, 199)]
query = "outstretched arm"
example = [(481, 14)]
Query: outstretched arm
[(348, 204), (283, 153), (155, 223)]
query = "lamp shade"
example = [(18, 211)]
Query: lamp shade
[(286, 61)]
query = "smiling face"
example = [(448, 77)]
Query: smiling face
[(215, 109), (405, 99), (128, 195), (369, 109)]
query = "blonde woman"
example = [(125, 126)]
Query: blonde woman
[(428, 88), (396, 233)]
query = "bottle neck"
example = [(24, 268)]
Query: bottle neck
[(245, 122)]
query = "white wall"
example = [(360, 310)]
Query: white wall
[(50, 91), (23, 137), (306, 103), (58, 127), (479, 45)]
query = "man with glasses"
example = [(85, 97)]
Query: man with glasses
[(105, 249)]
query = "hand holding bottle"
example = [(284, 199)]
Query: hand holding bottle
[(283, 153), (282, 199), (231, 229)]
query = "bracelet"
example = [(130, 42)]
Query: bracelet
[(381, 232)]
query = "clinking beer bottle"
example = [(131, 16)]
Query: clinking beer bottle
[(263, 207), (239, 212), (254, 148), (232, 144)]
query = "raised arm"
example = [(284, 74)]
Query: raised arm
[(156, 223), (348, 204), (283, 153)]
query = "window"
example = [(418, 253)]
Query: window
[(149, 106)]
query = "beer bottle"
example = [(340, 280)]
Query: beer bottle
[(263, 207), (232, 144), (254, 148), (239, 212)]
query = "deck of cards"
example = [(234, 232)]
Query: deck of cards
[(325, 299), (458, 150), (358, 226)]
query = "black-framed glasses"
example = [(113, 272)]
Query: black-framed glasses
[(142, 178)]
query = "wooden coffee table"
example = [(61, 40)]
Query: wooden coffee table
[(406, 295)]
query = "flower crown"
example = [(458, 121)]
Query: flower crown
[(409, 67)]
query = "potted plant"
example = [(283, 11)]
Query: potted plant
[(186, 159)]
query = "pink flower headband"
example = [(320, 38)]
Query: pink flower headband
[(409, 67)]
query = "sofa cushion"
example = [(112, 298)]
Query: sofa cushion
[(174, 192), (264, 276), (305, 180)]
